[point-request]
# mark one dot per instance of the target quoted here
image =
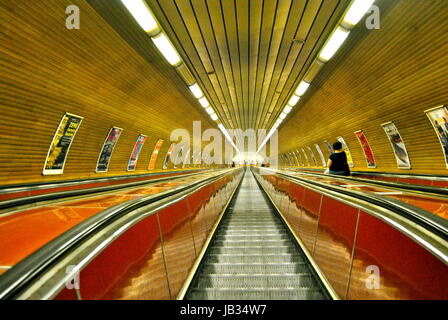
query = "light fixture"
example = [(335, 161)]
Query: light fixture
[(204, 102), (166, 48), (301, 88), (294, 99), (141, 14), (197, 92), (209, 110), (357, 10), (282, 115), (214, 117), (336, 40), (226, 134), (287, 109)]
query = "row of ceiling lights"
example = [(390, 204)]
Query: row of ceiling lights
[(353, 15), (141, 13)]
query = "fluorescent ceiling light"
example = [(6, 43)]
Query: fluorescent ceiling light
[(282, 116), (209, 110), (336, 40), (357, 10), (287, 109), (301, 88), (294, 99), (204, 102), (166, 48), (214, 117), (141, 14), (197, 92)]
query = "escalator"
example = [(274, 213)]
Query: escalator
[(252, 255)]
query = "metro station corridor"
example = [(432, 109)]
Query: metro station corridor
[(224, 150)]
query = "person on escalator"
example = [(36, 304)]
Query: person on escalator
[(337, 164)]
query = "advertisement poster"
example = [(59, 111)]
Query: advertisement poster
[(297, 163), (329, 147), (155, 153), (397, 143), (321, 155), (136, 152), (108, 148), (168, 156), (347, 152), (366, 148), (61, 143), (299, 157), (312, 156), (306, 157), (439, 120), (186, 161)]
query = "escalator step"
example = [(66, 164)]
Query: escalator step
[(253, 258), (256, 294), (257, 281), (273, 268)]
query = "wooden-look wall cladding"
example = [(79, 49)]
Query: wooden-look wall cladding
[(391, 74), (47, 70)]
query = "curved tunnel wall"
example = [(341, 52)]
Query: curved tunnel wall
[(391, 74), (92, 72)]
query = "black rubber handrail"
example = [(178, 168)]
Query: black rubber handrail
[(8, 204), (426, 219), (422, 176), (12, 188), (21, 275), (400, 185)]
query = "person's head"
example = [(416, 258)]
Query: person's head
[(337, 146)]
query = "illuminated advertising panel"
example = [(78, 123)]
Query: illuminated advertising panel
[(439, 120), (136, 152), (306, 157), (168, 156), (109, 144), (321, 155), (61, 143), (347, 152), (368, 153), (312, 156), (155, 153), (398, 146), (329, 147)]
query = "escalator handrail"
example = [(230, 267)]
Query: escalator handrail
[(385, 174), (23, 273), (413, 187), (12, 203), (425, 218), (13, 188), (404, 210)]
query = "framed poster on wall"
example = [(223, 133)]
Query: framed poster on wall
[(329, 147), (136, 152), (167, 156), (439, 120), (368, 153), (347, 152), (299, 157), (321, 155), (61, 143), (306, 158), (398, 146), (154, 154), (312, 156), (112, 137)]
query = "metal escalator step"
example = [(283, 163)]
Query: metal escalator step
[(250, 243), (251, 236), (253, 249), (257, 281), (238, 268), (256, 294), (254, 258)]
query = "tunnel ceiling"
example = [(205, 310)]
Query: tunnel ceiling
[(248, 56)]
